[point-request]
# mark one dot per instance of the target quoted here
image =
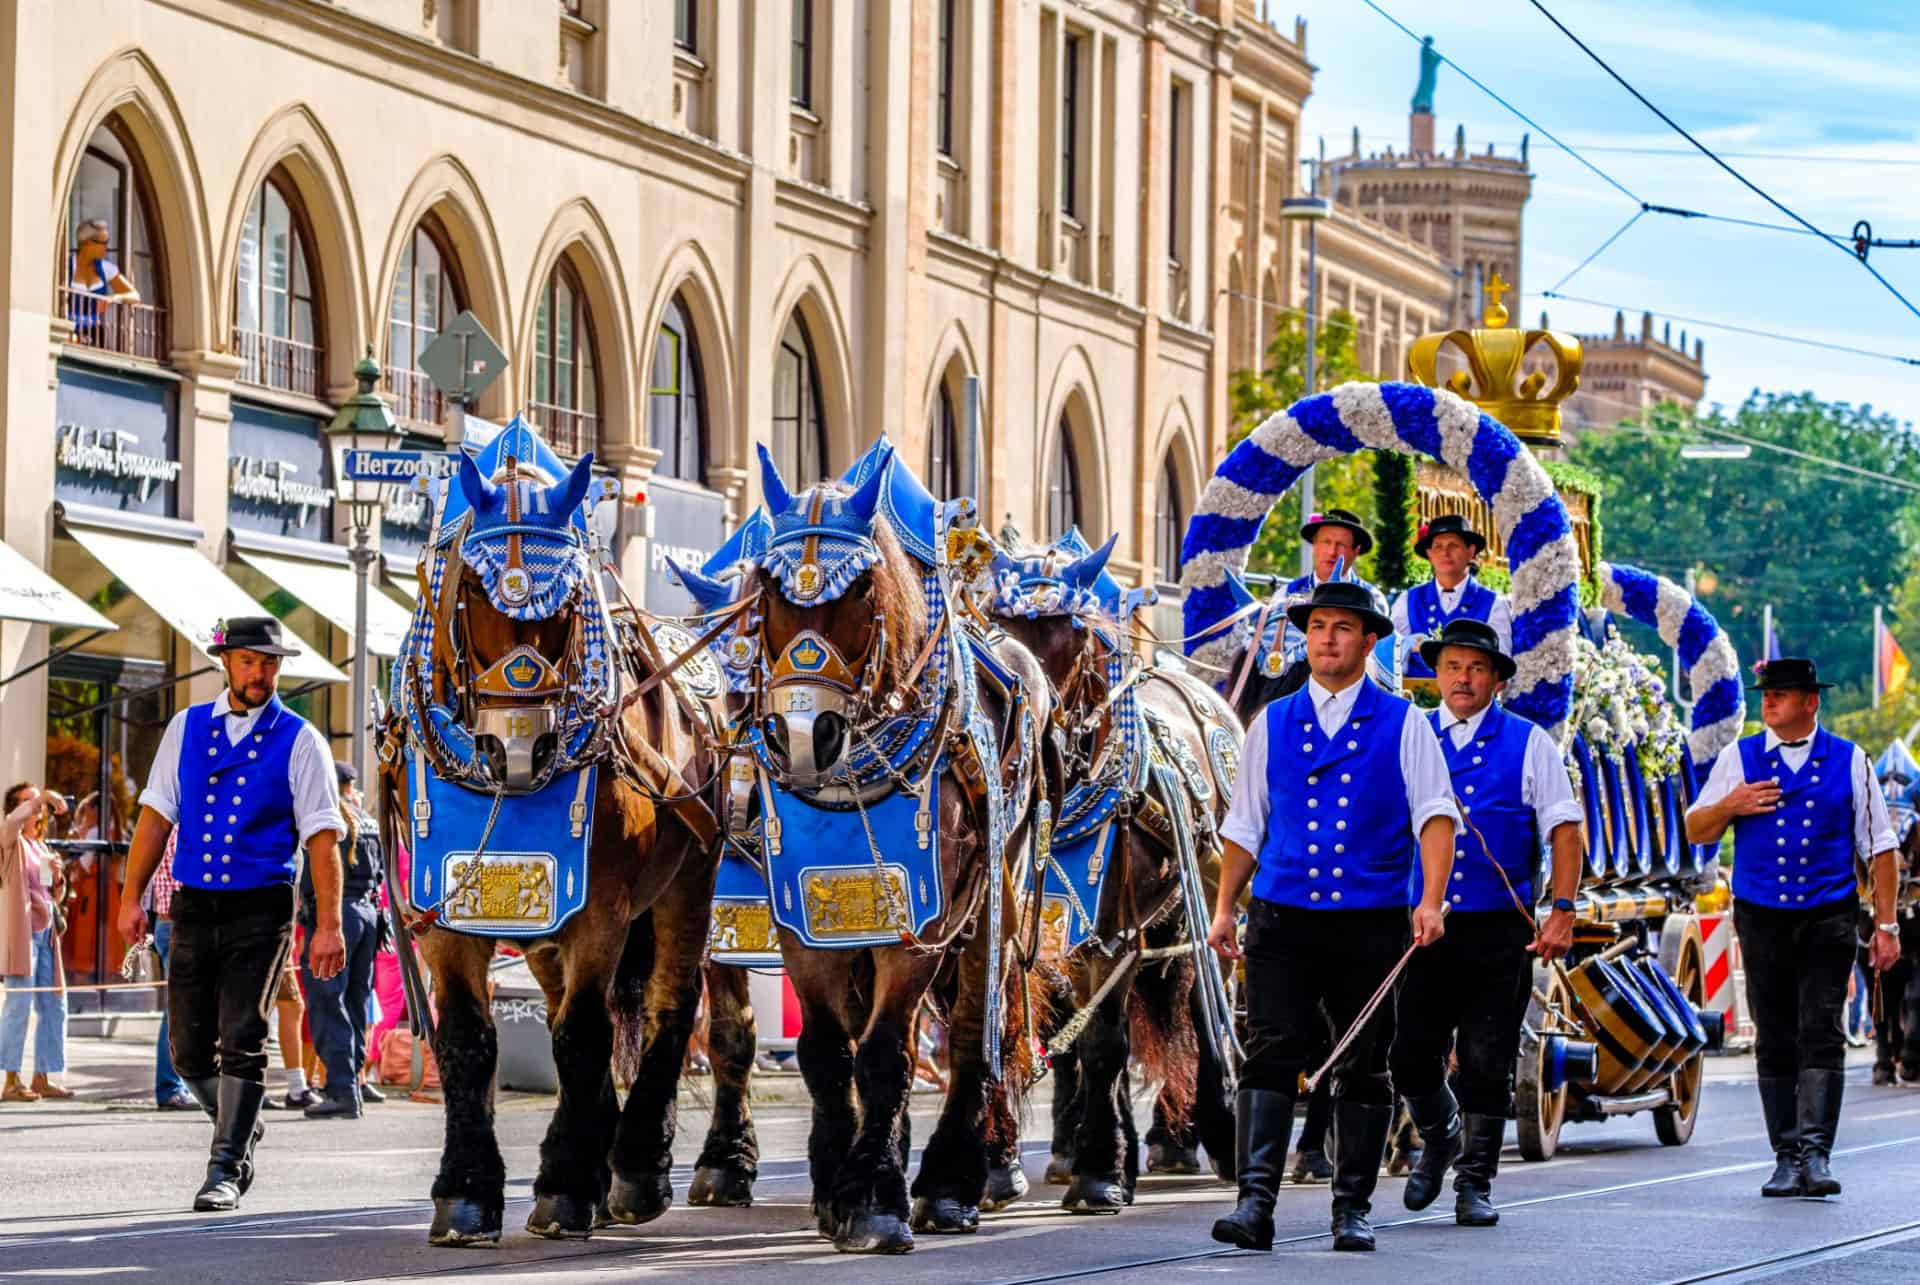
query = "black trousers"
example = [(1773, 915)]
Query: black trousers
[(1475, 981), (1310, 972), (337, 1005), (223, 970), (1797, 963)]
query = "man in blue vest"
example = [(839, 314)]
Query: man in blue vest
[(1803, 805), (1451, 546), (1513, 791), (248, 783), (1342, 796)]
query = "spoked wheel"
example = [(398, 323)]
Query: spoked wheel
[(1538, 1112), (1674, 1123)]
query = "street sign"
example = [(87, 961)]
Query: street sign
[(463, 360), (395, 466)]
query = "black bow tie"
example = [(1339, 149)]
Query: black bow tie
[(241, 713), (1794, 745)]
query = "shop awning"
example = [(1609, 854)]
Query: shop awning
[(30, 594), (187, 591), (327, 587)]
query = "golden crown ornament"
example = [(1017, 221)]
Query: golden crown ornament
[(1496, 379)]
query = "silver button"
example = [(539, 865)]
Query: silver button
[(208, 817), (1306, 747), (1476, 758), (226, 859), (1313, 872), (1783, 861), (241, 781), (1336, 896), (1345, 777), (1456, 898), (1802, 897), (1469, 789), (1782, 841), (1353, 745), (252, 755), (1343, 800), (208, 878), (1313, 825), (1314, 896), (229, 838), (1339, 825), (1313, 803), (212, 753), (209, 798), (226, 878), (1313, 780), (1339, 847), (1313, 849), (206, 838), (1337, 872), (1783, 896), (207, 859), (236, 800), (1306, 727), (1783, 821), (1459, 875), (231, 818), (259, 736)]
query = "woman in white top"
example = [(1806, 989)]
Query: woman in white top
[(29, 947)]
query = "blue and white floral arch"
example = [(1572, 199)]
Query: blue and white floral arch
[(1705, 651), (1414, 420)]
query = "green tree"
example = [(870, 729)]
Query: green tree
[(1823, 547)]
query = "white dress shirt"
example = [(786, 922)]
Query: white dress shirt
[(1422, 766), (1872, 831), (316, 798), (1500, 617), (1544, 784)]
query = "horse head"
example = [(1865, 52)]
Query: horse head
[(1063, 604)]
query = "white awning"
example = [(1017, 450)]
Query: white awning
[(188, 592), (327, 587), (30, 594)]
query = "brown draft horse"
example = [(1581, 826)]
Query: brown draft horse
[(1155, 1012), (626, 965), (858, 1006)]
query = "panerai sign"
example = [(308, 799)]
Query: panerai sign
[(104, 452), (249, 477)]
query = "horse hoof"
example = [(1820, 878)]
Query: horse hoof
[(639, 1202), (1059, 1171), (459, 1223), (945, 1216), (731, 1187), (561, 1217), (824, 1222), (1165, 1157), (1005, 1184), (1094, 1196), (873, 1233)]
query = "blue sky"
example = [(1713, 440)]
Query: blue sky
[(1820, 102)]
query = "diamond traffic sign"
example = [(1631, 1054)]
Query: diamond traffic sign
[(463, 360)]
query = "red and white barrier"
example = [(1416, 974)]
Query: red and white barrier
[(1726, 978), (776, 1008)]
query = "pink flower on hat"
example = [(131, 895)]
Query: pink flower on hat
[(1315, 517)]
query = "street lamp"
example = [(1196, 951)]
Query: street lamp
[(1716, 451), (366, 424), (1310, 210)]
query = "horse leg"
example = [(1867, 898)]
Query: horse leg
[(822, 980), (1065, 1066), (871, 1188), (1098, 1185), (469, 1193), (576, 973), (730, 1160), (1212, 1098), (953, 1170), (1006, 1174)]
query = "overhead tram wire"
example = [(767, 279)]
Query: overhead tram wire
[(1709, 153), (1802, 340), (1604, 247)]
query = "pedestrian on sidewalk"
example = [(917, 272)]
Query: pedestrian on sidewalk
[(337, 1005), (169, 1090), (290, 1015), (32, 884)]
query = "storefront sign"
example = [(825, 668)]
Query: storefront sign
[(278, 474), (271, 482), (109, 452), (114, 444), (689, 523)]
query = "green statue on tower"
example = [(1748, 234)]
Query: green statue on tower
[(1429, 72)]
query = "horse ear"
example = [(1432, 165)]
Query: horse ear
[(865, 500), (1243, 597), (779, 499), (711, 593), (478, 490), (565, 496), (1082, 573)]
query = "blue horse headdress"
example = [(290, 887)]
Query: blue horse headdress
[(525, 538), (821, 542), (1070, 578), (716, 583)]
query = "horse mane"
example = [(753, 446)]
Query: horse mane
[(897, 591)]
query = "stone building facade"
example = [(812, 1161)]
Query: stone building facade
[(1623, 376)]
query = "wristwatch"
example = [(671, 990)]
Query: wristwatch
[(1892, 930), (1563, 903)]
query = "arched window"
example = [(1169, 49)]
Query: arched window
[(566, 377), (427, 294), (275, 325), (943, 447), (1169, 523), (1063, 483), (799, 431), (676, 411), (109, 209)]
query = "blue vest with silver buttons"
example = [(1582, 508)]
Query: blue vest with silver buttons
[(1425, 616), (237, 827), (1489, 781), (1339, 835), (1800, 855)]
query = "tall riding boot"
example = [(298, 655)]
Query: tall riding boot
[(1310, 1162), (1779, 1104), (1437, 1116), (1819, 1121), (1359, 1143), (206, 1091), (1473, 1176), (230, 1163), (1263, 1121)]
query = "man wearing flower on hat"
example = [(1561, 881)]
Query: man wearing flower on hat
[(1343, 798), (1803, 805), (1451, 546), (1468, 993), (247, 783)]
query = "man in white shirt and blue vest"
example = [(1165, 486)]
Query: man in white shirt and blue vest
[(1469, 992), (1803, 806), (248, 783), (1343, 795), (1451, 546)]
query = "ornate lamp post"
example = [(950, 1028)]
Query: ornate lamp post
[(365, 422)]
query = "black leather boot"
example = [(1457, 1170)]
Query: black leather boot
[(1780, 1106), (1262, 1124), (230, 1163), (1820, 1093), (1359, 1143), (1437, 1116), (206, 1091), (1473, 1176)]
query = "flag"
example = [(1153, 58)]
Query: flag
[(1892, 662)]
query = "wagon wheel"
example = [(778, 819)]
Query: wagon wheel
[(1674, 1123), (1539, 1113)]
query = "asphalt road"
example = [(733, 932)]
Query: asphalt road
[(93, 1191)]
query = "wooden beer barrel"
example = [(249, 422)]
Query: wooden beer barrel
[(1618, 1020), (1670, 1052), (1696, 1039)]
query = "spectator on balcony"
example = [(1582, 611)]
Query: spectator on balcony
[(95, 276)]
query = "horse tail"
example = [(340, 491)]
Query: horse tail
[(1161, 1035), (626, 998)]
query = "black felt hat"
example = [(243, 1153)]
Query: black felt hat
[(1363, 540), (1789, 674), (1448, 524), (1477, 634), (250, 633), (1347, 596)]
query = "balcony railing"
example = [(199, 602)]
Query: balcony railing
[(274, 362), (571, 433), (130, 329), (414, 397)]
